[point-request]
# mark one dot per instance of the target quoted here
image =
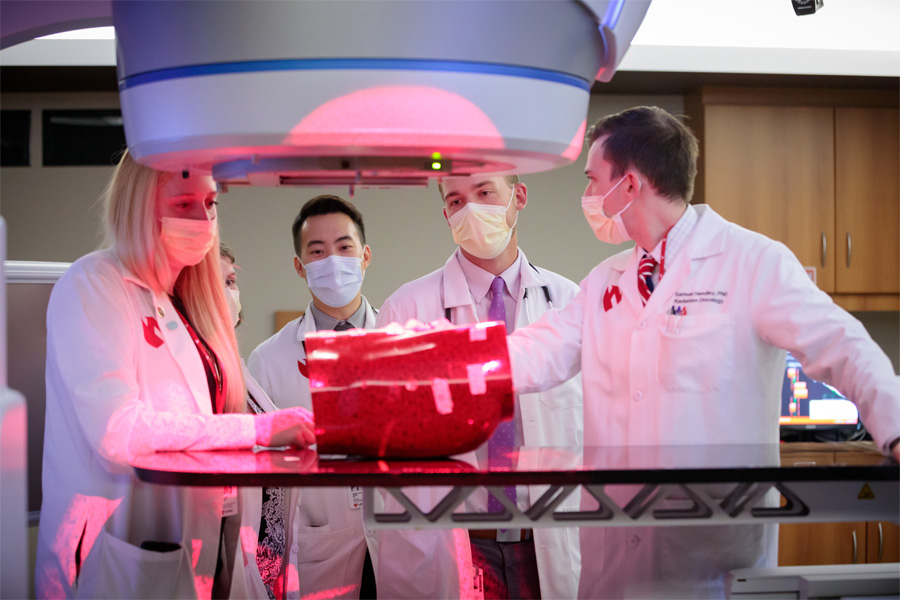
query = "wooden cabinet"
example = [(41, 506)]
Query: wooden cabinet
[(867, 200), (835, 543), (818, 170), (882, 538)]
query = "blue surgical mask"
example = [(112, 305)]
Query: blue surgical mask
[(335, 280)]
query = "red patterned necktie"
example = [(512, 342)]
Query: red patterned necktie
[(645, 277)]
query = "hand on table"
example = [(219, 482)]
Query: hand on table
[(287, 427)]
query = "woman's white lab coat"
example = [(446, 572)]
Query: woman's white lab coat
[(251, 508), (552, 417), (123, 377), (325, 537), (711, 376)]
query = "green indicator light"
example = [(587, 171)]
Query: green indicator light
[(436, 155), (436, 166)]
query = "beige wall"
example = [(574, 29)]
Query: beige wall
[(52, 214)]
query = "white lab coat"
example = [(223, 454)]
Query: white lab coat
[(713, 376), (326, 539), (123, 377), (251, 507), (552, 417)]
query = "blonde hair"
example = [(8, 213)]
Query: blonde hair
[(133, 233)]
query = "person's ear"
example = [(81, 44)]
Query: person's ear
[(366, 257), (298, 266), (521, 196), (446, 218), (633, 184)]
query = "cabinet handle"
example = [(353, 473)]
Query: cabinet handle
[(849, 249), (824, 249), (853, 533), (880, 542)]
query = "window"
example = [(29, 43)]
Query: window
[(15, 138), (82, 137)]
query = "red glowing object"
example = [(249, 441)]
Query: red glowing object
[(399, 116), (398, 393)]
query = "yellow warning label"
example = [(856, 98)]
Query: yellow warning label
[(866, 493)]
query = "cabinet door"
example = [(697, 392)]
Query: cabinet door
[(882, 538), (882, 542), (867, 196), (771, 169), (821, 543), (817, 543)]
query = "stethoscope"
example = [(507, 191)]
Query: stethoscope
[(545, 288)]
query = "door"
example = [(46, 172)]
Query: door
[(867, 197), (771, 169)]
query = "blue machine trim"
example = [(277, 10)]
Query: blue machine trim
[(613, 12), (313, 64)]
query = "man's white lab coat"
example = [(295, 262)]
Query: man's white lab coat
[(325, 536), (711, 376), (549, 418)]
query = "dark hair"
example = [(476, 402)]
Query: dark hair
[(327, 205), (654, 142)]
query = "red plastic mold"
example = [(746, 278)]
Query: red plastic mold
[(395, 392)]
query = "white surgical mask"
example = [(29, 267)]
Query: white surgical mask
[(481, 229), (335, 280), (187, 241), (233, 297), (607, 229)]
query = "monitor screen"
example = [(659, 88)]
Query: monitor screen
[(810, 404)]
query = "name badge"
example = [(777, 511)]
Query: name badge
[(356, 497), (477, 583), (230, 502)]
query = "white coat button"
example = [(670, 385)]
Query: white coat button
[(638, 395), (295, 549), (370, 532), (642, 325), (634, 542)]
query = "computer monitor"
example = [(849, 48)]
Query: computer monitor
[(810, 405)]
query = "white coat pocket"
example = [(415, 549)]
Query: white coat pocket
[(696, 353), (116, 569), (328, 561), (411, 562), (562, 397)]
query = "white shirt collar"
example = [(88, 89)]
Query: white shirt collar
[(677, 237), (479, 280)]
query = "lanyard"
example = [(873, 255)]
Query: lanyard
[(211, 365)]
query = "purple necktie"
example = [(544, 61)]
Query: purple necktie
[(504, 437), (497, 311)]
